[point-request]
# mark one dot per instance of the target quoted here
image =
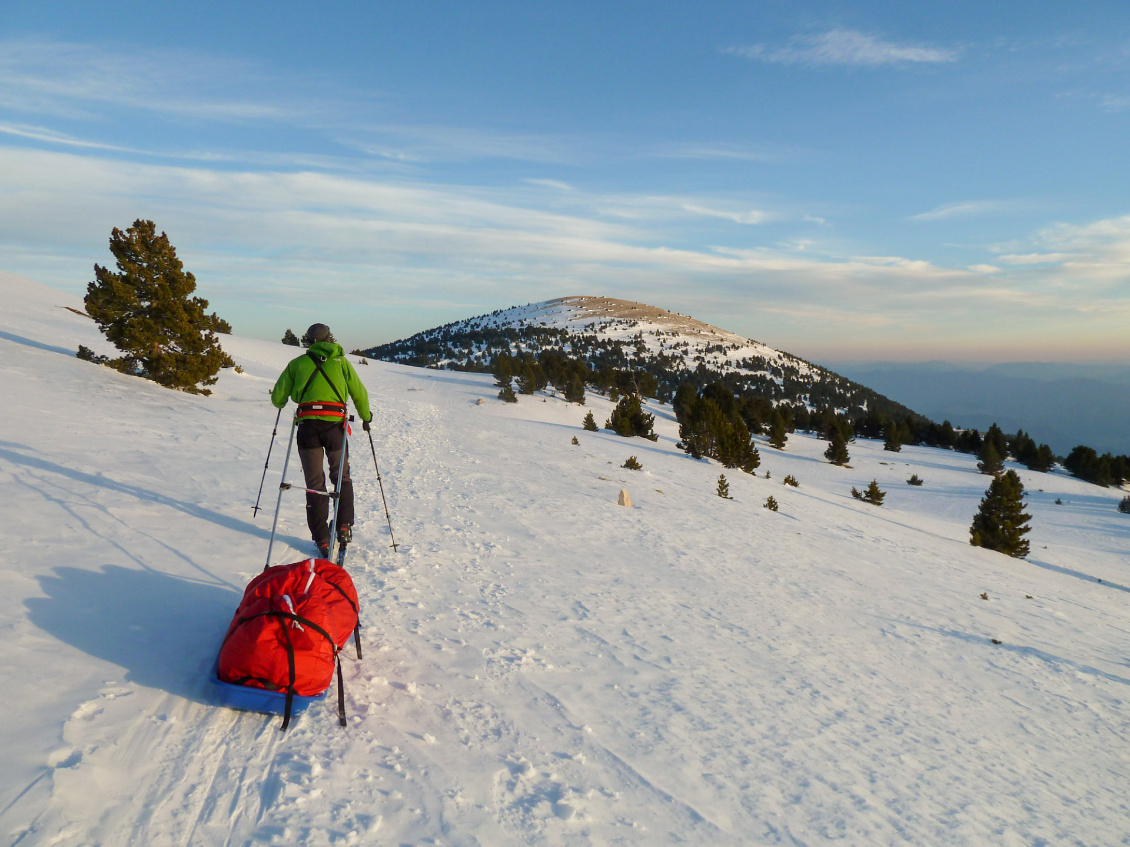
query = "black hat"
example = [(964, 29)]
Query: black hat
[(317, 332)]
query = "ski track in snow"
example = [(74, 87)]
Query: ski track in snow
[(541, 666)]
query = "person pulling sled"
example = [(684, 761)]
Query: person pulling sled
[(319, 381)]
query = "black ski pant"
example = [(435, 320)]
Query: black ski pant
[(318, 440)]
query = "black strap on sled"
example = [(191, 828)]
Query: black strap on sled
[(290, 688), (356, 614)]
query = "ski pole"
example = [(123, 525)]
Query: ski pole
[(274, 432), (381, 484), (283, 486), (337, 485)]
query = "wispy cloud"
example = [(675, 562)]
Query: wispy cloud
[(961, 210), (844, 47), (76, 80), (698, 151)]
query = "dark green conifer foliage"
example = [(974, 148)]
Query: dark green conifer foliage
[(771, 503), (575, 441), (575, 390), (915, 479), (778, 431), (632, 464), (892, 440), (1124, 505), (791, 480), (1045, 459), (873, 494), (629, 418), (1000, 523), (146, 311), (507, 394), (1086, 464), (723, 487), (290, 339), (991, 461), (837, 452), (712, 426), (590, 422), (995, 436)]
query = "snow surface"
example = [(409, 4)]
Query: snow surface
[(542, 665)]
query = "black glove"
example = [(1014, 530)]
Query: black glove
[(365, 424)]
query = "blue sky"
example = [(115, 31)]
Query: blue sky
[(841, 180)]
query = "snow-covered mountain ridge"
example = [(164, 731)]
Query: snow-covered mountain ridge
[(542, 666), (606, 332)]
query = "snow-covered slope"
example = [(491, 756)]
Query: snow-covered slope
[(544, 666), (655, 330)]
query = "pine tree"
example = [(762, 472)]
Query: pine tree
[(893, 438), (632, 464), (915, 479), (629, 418), (590, 422), (1124, 505), (873, 494), (778, 431), (837, 452), (991, 461), (290, 339), (575, 390), (1000, 523), (771, 503), (723, 487), (146, 311)]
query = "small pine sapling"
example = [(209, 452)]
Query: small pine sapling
[(590, 423), (507, 394), (873, 494), (791, 480), (771, 503), (632, 464), (915, 479), (856, 493), (575, 441), (723, 487), (1124, 505)]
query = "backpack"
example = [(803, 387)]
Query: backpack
[(288, 631)]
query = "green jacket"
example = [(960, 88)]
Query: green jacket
[(302, 383)]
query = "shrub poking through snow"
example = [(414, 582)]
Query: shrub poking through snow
[(575, 441), (856, 493), (915, 479), (88, 355), (723, 490), (1000, 523), (1124, 505), (873, 494), (632, 464), (507, 394), (791, 480), (590, 423), (771, 503)]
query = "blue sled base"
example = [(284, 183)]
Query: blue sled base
[(248, 699)]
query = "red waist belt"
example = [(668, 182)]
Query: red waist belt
[(320, 410)]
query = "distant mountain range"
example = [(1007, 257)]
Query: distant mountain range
[(1061, 404)]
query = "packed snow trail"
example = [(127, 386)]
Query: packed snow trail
[(541, 666)]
